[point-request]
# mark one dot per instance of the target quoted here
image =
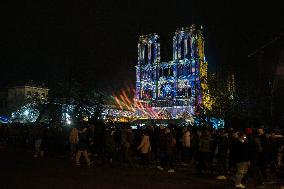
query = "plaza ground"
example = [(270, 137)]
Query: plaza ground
[(20, 171)]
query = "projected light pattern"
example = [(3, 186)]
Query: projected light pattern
[(26, 114), (176, 86)]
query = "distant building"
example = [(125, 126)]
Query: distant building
[(17, 96)]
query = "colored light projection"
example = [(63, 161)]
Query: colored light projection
[(26, 114), (207, 101), (128, 107), (176, 86)]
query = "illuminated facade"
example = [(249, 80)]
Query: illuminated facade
[(178, 86), (23, 102), (25, 92)]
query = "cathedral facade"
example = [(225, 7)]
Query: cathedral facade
[(175, 87)]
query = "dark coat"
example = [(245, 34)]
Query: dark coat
[(109, 143), (167, 143), (83, 142), (239, 151), (251, 148), (222, 144)]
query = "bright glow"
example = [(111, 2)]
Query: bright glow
[(26, 112)]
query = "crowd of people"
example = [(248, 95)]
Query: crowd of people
[(235, 153)]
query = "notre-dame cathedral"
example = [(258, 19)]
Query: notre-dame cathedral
[(176, 86)]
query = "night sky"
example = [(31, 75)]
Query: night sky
[(95, 42)]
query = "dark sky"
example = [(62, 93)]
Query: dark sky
[(95, 41)]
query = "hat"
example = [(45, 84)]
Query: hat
[(248, 131)]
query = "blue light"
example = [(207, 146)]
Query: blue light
[(173, 83), (217, 123), (26, 114), (4, 119)]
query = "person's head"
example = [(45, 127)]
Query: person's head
[(185, 129), (248, 131), (260, 130), (241, 136), (221, 131), (272, 133), (167, 130), (162, 127), (235, 135)]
